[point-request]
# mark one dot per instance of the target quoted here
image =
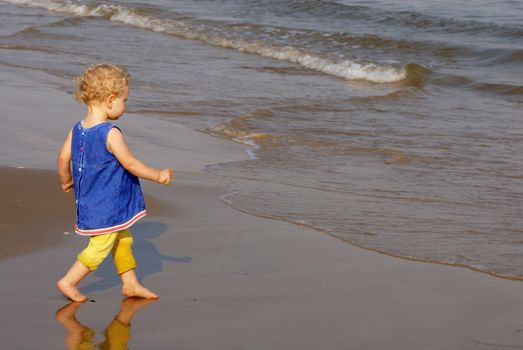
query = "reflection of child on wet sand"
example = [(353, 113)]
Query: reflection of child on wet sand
[(105, 181), (117, 334)]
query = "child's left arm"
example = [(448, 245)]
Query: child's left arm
[(117, 146), (64, 164)]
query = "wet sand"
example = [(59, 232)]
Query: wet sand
[(33, 209), (227, 280), (35, 212)]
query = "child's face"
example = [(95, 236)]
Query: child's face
[(117, 105)]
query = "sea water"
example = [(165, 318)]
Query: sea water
[(393, 125)]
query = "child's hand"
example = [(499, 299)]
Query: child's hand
[(68, 187), (166, 176)]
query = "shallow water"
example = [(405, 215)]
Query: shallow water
[(394, 126)]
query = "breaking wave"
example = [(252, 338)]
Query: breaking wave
[(346, 69)]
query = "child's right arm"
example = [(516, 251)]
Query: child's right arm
[(64, 164), (118, 147)]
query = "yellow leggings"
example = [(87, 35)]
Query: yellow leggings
[(118, 243)]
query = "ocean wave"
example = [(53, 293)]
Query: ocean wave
[(431, 23), (499, 89), (15, 47), (494, 88), (346, 69), (512, 56), (391, 156), (343, 42), (69, 7), (236, 128), (281, 70), (420, 21), (416, 75), (335, 10), (316, 8), (497, 56), (38, 34)]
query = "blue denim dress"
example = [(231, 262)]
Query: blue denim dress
[(108, 197)]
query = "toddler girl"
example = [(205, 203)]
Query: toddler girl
[(104, 177)]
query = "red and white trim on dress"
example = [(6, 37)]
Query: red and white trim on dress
[(116, 228)]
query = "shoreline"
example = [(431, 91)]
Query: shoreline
[(375, 250), (246, 154), (30, 200), (17, 205), (231, 280)]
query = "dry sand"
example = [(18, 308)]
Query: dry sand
[(227, 280)]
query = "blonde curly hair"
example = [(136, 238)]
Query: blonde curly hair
[(100, 81)]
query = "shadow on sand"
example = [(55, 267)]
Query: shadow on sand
[(148, 259)]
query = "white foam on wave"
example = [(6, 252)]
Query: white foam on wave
[(344, 69), (69, 7), (251, 153)]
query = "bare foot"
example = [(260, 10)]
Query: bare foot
[(138, 291), (70, 291)]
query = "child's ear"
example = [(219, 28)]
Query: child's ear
[(110, 99)]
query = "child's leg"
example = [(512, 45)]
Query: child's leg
[(67, 284), (132, 288), (125, 266), (123, 252), (88, 260)]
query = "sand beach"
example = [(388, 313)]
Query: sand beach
[(226, 279), (293, 128)]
